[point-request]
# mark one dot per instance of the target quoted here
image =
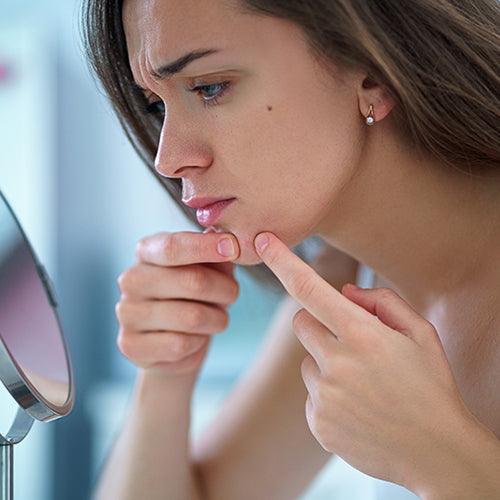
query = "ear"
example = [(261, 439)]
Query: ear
[(371, 93)]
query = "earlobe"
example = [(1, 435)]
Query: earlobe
[(375, 103)]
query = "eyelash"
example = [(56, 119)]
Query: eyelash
[(212, 100), (159, 107)]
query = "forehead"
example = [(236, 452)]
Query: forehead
[(158, 31), (170, 27), (174, 19)]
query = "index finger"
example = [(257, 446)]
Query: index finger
[(187, 247), (308, 288)]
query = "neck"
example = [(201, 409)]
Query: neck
[(424, 227)]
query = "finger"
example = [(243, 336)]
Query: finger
[(311, 375), (181, 248), (318, 340), (156, 347), (390, 308), (306, 286), (194, 282), (171, 315), (224, 267)]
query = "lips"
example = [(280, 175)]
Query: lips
[(209, 209)]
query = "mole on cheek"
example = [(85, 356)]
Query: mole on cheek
[(269, 108)]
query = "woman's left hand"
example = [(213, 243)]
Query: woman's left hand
[(381, 391)]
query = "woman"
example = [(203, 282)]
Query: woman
[(372, 124)]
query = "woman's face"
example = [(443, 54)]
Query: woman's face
[(252, 117)]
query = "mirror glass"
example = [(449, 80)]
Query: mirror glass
[(30, 329)]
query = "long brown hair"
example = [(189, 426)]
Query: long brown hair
[(439, 59)]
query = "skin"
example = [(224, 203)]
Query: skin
[(212, 149), (371, 353), (401, 383)]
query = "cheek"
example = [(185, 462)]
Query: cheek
[(290, 163)]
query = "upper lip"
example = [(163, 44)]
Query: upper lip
[(203, 202)]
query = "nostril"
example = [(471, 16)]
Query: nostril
[(168, 174), (176, 160), (179, 171)]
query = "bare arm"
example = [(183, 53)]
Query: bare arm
[(150, 459)]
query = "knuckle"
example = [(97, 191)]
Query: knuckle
[(196, 280), (301, 285), (120, 310), (128, 313), (169, 246), (126, 280), (125, 342), (300, 320), (234, 292), (386, 294), (307, 370), (429, 329), (321, 393), (179, 345), (223, 321), (316, 423), (140, 246), (201, 249), (192, 316)]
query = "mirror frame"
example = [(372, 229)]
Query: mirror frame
[(12, 375)]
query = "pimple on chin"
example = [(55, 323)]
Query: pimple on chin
[(269, 107)]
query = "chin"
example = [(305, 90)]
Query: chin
[(248, 259), (248, 255)]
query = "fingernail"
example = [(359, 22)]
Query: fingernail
[(261, 242), (226, 247)]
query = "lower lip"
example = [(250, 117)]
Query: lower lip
[(208, 215)]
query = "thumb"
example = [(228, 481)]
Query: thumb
[(223, 267)]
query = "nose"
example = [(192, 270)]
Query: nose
[(181, 148)]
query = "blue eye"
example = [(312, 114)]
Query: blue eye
[(210, 94), (209, 91)]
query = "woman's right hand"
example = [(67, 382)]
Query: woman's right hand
[(174, 298)]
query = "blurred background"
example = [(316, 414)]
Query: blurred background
[(84, 199)]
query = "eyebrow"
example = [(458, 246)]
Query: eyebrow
[(179, 64)]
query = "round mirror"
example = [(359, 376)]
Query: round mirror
[(35, 365)]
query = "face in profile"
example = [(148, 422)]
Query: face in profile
[(263, 136)]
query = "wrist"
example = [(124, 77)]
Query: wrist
[(157, 383)]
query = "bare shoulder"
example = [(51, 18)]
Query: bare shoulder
[(468, 324)]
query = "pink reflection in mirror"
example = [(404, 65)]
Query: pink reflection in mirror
[(28, 325)]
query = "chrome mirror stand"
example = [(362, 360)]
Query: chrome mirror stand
[(18, 431)]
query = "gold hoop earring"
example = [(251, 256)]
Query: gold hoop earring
[(370, 119)]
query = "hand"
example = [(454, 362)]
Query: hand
[(175, 297), (381, 391)]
